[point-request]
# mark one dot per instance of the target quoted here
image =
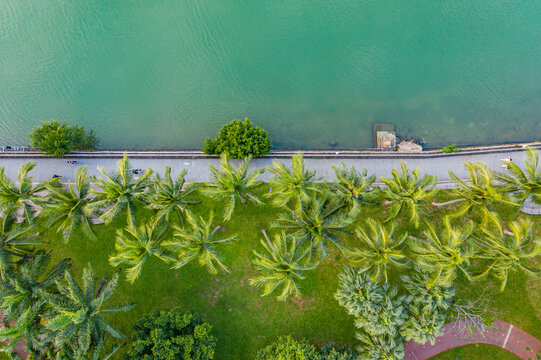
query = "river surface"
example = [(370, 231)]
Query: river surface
[(165, 74)]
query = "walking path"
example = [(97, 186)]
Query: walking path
[(501, 334)]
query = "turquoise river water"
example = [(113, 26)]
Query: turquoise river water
[(165, 74)]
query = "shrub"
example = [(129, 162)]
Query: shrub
[(57, 139), (450, 149), (239, 139), (286, 348), (171, 335)]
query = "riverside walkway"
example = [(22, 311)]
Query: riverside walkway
[(379, 164)]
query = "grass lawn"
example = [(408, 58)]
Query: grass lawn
[(244, 321)]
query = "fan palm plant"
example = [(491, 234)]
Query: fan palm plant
[(524, 183), (444, 255), (232, 184), (24, 195), (199, 241), (120, 191), (77, 316), (291, 186), (71, 208), (22, 288), (135, 245), (479, 193), (508, 251), (353, 188), (379, 248), (170, 197), (408, 192), (28, 328), (318, 221), (282, 265), (16, 240)]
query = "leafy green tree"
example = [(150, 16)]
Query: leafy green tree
[(16, 240), (198, 241), (524, 183), (28, 328), (171, 335), (508, 251), (427, 309), (57, 139), (232, 184), (71, 208), (445, 254), (287, 348), (333, 352), (23, 287), (408, 193), (291, 186), (354, 188), (238, 140), (378, 249), (478, 193), (283, 265), (379, 312), (120, 191), (23, 195), (77, 314), (169, 197), (135, 245), (318, 222)]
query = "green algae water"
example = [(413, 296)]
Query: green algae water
[(165, 74)]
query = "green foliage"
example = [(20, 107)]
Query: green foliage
[(408, 193), (238, 140), (199, 241), (449, 149), (57, 139), (233, 184), (354, 188), (283, 265), (286, 348), (171, 335)]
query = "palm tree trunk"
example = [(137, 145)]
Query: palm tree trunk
[(102, 283), (19, 255), (447, 202), (267, 238), (214, 231)]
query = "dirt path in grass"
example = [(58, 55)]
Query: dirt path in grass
[(501, 334)]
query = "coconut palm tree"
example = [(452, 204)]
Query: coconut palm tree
[(232, 184), (169, 196), (353, 188), (71, 208), (291, 186), (22, 288), (28, 328), (379, 248), (445, 254), (97, 352), (524, 183), (121, 191), (408, 193), (135, 245), (77, 316), (478, 193), (16, 240), (318, 221), (507, 251), (23, 195), (282, 265), (199, 241)]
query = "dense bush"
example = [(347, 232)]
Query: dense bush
[(449, 149), (286, 348), (171, 335), (57, 139), (239, 139)]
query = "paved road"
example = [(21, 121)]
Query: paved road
[(198, 168)]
